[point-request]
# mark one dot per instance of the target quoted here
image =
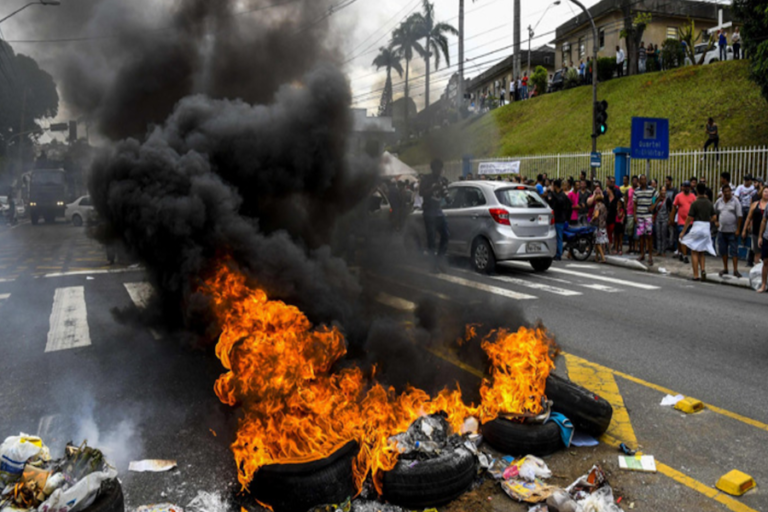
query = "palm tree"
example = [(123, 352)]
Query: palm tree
[(405, 41), (389, 59), (436, 40)]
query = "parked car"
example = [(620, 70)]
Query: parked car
[(712, 55), (557, 82), (492, 221), (80, 212)]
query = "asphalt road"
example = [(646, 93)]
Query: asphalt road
[(141, 397)]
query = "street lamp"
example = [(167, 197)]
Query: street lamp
[(532, 30), (594, 77), (39, 2)]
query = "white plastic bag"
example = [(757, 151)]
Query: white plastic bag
[(600, 501), (79, 496), (756, 276), (14, 454), (531, 468)]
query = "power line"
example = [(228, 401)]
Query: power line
[(385, 32)]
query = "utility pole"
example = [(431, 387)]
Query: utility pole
[(594, 78), (516, 67), (530, 36), (460, 97), (21, 130)]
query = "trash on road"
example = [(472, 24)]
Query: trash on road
[(32, 481), (530, 492), (645, 463), (151, 465), (208, 502), (600, 501), (626, 450), (670, 401), (160, 507), (756, 276), (663, 270), (566, 427), (589, 482), (581, 439)]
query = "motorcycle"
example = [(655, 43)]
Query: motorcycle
[(579, 241)]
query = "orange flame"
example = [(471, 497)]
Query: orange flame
[(295, 409)]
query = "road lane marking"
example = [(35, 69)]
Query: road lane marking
[(537, 286), (140, 294), (502, 292), (8, 280), (667, 391), (422, 291), (603, 383), (601, 288), (706, 490), (96, 271), (69, 320), (395, 302), (592, 276), (4, 297)]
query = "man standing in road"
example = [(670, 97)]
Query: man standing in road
[(561, 206), (745, 193), (645, 201), (680, 208), (624, 185), (584, 195), (699, 239), (671, 190), (540, 184), (762, 243), (619, 62), (433, 189), (729, 219)]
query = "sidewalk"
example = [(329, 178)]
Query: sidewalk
[(670, 265)]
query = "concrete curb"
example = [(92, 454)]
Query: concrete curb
[(711, 278)]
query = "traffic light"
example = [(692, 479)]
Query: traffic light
[(601, 118)]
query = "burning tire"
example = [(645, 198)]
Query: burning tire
[(430, 483), (515, 438), (587, 411), (110, 499), (299, 487)]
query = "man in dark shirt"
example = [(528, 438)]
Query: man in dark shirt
[(584, 195), (433, 189), (561, 206)]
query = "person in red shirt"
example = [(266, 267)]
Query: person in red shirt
[(680, 209), (525, 86)]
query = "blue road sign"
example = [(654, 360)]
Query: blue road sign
[(596, 160), (650, 138)]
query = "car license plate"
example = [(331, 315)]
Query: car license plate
[(543, 220), (533, 247)]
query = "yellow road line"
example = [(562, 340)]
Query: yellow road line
[(706, 490), (661, 389), (602, 382)]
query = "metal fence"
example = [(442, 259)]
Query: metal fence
[(682, 165)]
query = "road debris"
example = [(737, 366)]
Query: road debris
[(645, 463), (151, 465), (32, 481), (208, 502), (735, 483), (671, 401), (160, 507), (580, 439), (626, 450)]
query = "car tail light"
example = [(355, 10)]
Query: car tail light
[(552, 218), (501, 216)]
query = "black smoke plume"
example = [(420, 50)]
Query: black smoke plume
[(259, 184)]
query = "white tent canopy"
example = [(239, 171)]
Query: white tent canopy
[(393, 167)]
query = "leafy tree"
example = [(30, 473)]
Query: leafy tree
[(605, 68), (753, 15), (388, 59), (539, 80), (672, 54), (406, 42), (27, 95), (632, 33), (436, 43), (571, 79)]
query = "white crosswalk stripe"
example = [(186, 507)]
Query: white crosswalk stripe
[(4, 297), (601, 288), (140, 294), (502, 292), (605, 279), (537, 286), (69, 320), (396, 302)]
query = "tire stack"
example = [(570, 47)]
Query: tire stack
[(588, 413)]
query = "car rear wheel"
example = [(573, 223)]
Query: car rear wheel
[(77, 220), (483, 259), (541, 264)]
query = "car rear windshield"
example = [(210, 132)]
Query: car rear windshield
[(48, 178), (516, 198)]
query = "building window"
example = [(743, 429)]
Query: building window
[(566, 54), (601, 37), (546, 59), (671, 32), (582, 48)]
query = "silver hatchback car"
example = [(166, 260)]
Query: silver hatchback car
[(490, 221)]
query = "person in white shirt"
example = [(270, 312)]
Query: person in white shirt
[(736, 42), (744, 193), (620, 57)]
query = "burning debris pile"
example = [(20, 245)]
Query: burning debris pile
[(33, 482), (298, 406)]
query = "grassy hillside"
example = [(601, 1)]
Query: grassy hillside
[(561, 122)]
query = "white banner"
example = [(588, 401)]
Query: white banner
[(499, 167)]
